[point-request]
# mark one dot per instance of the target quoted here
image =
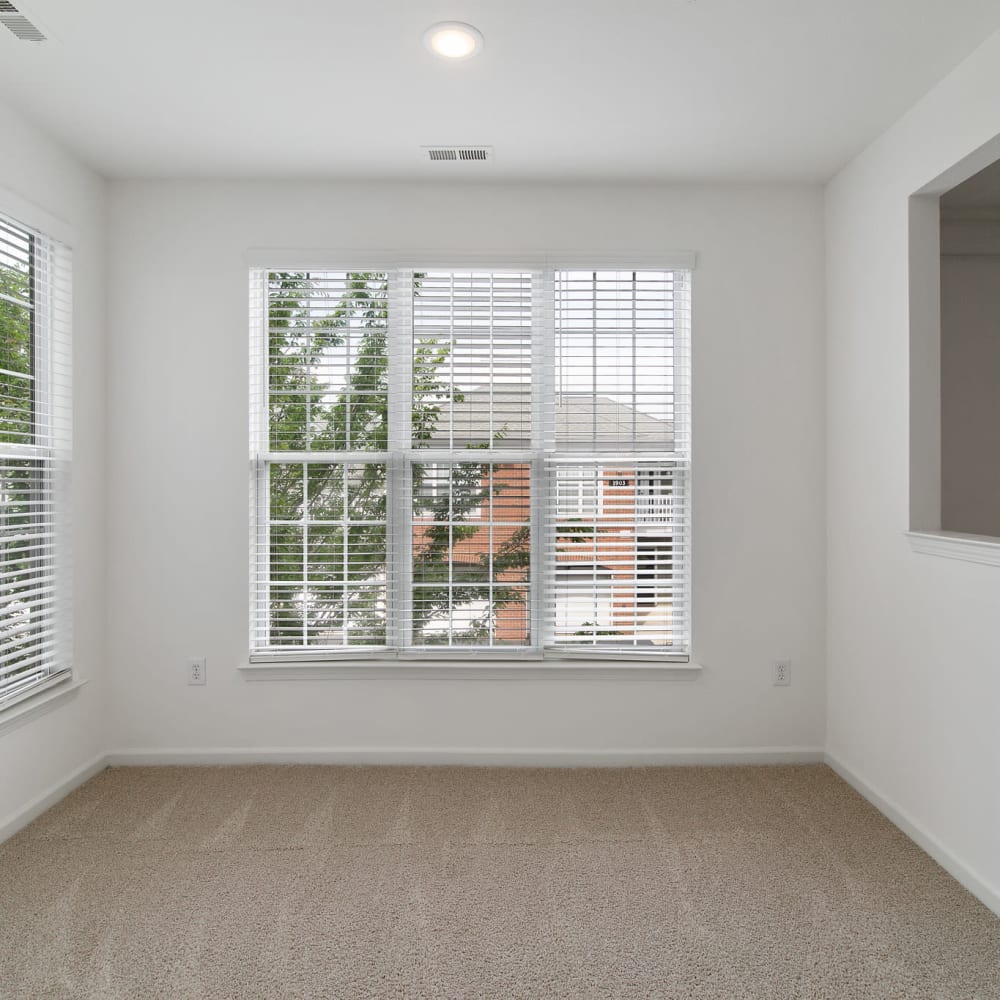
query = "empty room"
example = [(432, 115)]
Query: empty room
[(500, 499)]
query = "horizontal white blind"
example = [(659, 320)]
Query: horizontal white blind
[(472, 354), (326, 361), (617, 549), (489, 460), (35, 447), (617, 558), (469, 566), (615, 357), (320, 428), (471, 554)]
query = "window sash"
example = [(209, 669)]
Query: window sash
[(543, 459), (35, 447)]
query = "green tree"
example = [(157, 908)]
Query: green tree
[(15, 355), (350, 505)]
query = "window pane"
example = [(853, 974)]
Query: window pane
[(328, 554), (471, 553), (472, 359), (618, 536), (26, 570), (614, 363), (327, 361), (466, 615)]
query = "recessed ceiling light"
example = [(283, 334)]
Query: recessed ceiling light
[(453, 40)]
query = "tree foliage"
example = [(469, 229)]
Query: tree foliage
[(20, 511), (15, 356)]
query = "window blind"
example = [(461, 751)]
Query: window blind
[(35, 447), (465, 580), (469, 460), (617, 560), (320, 425)]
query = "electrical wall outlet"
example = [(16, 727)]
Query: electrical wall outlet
[(782, 673), (196, 671)]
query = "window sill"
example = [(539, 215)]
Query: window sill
[(952, 545), (468, 670), (38, 703)]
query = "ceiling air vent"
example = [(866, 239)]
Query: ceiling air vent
[(13, 19), (456, 154)]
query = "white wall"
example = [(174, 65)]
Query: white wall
[(178, 467), (42, 751), (914, 669)]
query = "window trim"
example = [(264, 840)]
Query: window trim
[(403, 662), (608, 668), (39, 699), (983, 549), (50, 447), (346, 259)]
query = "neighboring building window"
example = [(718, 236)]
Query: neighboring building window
[(654, 497), (35, 640), (579, 492), (470, 460)]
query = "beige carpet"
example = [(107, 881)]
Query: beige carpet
[(461, 882)]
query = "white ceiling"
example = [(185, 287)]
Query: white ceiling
[(567, 89)]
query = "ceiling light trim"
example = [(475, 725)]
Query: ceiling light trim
[(453, 41)]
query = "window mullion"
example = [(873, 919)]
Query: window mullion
[(543, 441)]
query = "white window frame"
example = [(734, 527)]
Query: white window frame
[(401, 454), (51, 448)]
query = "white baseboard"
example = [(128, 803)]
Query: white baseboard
[(987, 894), (16, 821), (469, 756)]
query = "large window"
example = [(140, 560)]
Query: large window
[(34, 457), (470, 461)]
